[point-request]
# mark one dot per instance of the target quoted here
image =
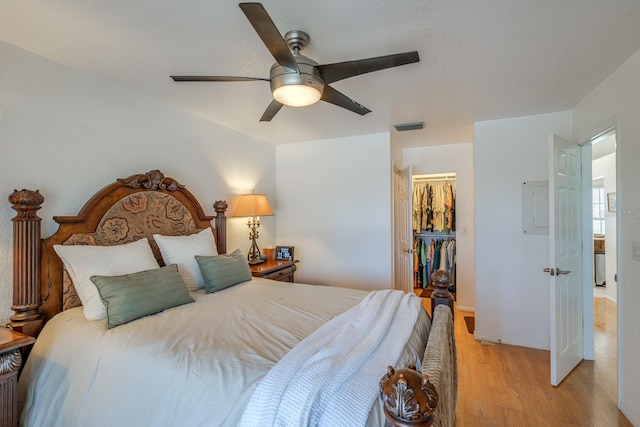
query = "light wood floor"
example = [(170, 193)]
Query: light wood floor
[(503, 385)]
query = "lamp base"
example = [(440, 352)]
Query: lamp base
[(254, 256)]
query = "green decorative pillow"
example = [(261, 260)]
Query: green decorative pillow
[(132, 296), (222, 271)]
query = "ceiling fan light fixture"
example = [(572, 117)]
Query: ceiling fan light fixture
[(297, 95), (295, 89), (296, 80)]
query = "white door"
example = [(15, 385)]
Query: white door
[(565, 269), (404, 252)]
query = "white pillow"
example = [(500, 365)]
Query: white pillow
[(182, 250), (83, 261)]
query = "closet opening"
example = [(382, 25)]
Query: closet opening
[(434, 229)]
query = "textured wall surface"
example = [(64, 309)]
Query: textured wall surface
[(69, 134)]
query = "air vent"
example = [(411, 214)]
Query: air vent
[(409, 126)]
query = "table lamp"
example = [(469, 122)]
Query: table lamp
[(253, 206)]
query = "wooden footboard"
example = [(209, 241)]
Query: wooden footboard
[(427, 397)]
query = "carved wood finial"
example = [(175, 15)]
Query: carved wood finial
[(26, 197), (441, 279), (152, 180), (409, 397), (220, 206)]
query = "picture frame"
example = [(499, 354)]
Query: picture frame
[(612, 202), (284, 253)]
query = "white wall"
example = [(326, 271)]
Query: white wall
[(456, 158), (396, 152), (605, 167), (69, 134), (512, 291), (334, 205), (617, 99)]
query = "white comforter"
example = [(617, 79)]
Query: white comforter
[(193, 365), (317, 382)]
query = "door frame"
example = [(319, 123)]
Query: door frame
[(395, 246), (588, 325), (587, 252)]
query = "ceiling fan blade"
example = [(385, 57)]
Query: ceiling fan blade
[(337, 98), (271, 111), (342, 70), (215, 79), (268, 32)]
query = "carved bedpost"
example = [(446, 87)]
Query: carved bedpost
[(409, 398), (220, 206), (26, 262), (441, 279)]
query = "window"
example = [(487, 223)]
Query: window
[(599, 209)]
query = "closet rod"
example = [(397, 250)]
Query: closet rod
[(421, 180), (434, 177), (451, 234)]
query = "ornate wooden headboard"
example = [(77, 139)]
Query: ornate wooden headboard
[(127, 210)]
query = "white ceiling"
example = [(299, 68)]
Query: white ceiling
[(480, 60), (604, 147)]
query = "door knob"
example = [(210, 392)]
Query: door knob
[(555, 271)]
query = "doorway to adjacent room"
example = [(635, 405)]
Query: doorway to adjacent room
[(605, 214)]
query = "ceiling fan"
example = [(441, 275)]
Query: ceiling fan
[(299, 81)]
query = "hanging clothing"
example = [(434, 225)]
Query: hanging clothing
[(424, 259), (433, 254), (433, 211), (433, 206), (418, 192), (448, 206), (424, 204), (451, 255), (443, 256), (421, 263)]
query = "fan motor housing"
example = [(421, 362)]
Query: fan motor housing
[(309, 75)]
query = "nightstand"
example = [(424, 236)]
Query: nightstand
[(11, 343), (275, 269)]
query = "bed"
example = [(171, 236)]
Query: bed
[(156, 339)]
